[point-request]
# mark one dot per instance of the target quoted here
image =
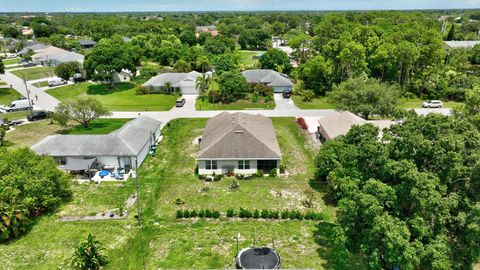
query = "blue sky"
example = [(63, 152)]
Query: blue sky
[(209, 5)]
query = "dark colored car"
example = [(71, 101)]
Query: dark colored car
[(180, 102), (78, 78), (35, 116), (286, 94), (29, 64)]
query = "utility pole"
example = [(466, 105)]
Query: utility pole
[(138, 194), (28, 95)]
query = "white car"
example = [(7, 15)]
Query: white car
[(432, 104), (56, 82)]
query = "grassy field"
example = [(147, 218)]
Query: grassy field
[(7, 95), (34, 73), (41, 84), (12, 67), (164, 242), (29, 134), (412, 103), (316, 103), (238, 105), (246, 57), (10, 61), (15, 115), (122, 98)]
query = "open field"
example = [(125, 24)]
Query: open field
[(31, 133), (316, 103), (411, 103), (165, 242), (10, 61), (246, 57), (34, 73), (122, 98), (14, 115), (7, 95)]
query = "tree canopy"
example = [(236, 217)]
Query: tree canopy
[(233, 86), (67, 70), (81, 110), (275, 59)]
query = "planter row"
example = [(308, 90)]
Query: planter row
[(255, 214)]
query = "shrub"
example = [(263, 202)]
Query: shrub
[(178, 201), (202, 177), (256, 214), (264, 213), (307, 95), (240, 176), (217, 177), (208, 213), (259, 173), (201, 213), (234, 185), (273, 173), (260, 89), (268, 99), (229, 174), (193, 213), (179, 214), (140, 90), (301, 122), (215, 214), (273, 215), (213, 96), (285, 214), (230, 213), (186, 213)]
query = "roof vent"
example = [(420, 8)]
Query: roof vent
[(238, 131)]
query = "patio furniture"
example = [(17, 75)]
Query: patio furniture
[(103, 173)]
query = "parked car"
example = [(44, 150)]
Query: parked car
[(77, 77), (38, 115), (55, 82), (29, 64), (11, 55), (180, 102), (23, 61), (286, 94), (19, 105), (433, 104)]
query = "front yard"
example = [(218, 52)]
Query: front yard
[(121, 98), (165, 242), (237, 105), (7, 95), (34, 73), (316, 103)]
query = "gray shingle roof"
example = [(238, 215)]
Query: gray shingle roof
[(462, 44), (338, 124), (173, 78), (126, 141), (239, 136), (267, 76)]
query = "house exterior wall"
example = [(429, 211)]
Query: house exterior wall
[(121, 77), (146, 149), (188, 87), (223, 166)]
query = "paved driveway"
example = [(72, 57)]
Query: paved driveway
[(283, 103)]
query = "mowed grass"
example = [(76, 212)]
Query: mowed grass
[(14, 115), (237, 105), (165, 242), (121, 98), (10, 61), (31, 133), (316, 103), (412, 103), (246, 57), (34, 73), (7, 95), (41, 84)]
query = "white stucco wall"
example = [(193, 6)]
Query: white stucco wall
[(224, 164)]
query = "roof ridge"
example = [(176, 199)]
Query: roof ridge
[(227, 131), (273, 151)]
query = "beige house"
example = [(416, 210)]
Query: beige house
[(239, 143), (339, 123)]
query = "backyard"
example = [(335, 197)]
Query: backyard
[(121, 98), (165, 242), (34, 73)]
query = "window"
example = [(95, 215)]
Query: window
[(266, 165), (211, 164), (244, 164)]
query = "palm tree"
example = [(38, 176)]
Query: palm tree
[(88, 255), (168, 87), (202, 84), (203, 62)]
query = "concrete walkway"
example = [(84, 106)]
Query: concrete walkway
[(283, 103)]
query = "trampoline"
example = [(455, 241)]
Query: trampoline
[(258, 258)]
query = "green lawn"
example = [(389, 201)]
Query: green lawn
[(246, 57), (7, 95), (3, 83), (29, 134), (12, 67), (41, 84), (10, 61), (34, 73), (316, 103), (238, 105), (164, 242), (122, 98), (412, 103)]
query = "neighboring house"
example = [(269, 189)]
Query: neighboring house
[(122, 76), (456, 44), (239, 143), (121, 148), (86, 44), (34, 47), (339, 123), (279, 82), (27, 31), (184, 83), (54, 56), (212, 29)]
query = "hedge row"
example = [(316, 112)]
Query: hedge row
[(244, 213)]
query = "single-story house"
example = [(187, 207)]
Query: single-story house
[(279, 82), (34, 47), (461, 44), (55, 56), (212, 29), (184, 83), (86, 44), (122, 76), (239, 143), (339, 123), (118, 149)]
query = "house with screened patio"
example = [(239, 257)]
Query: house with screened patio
[(238, 143)]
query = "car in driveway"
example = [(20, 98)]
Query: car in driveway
[(432, 104), (56, 82), (37, 115), (180, 102), (29, 64), (286, 94)]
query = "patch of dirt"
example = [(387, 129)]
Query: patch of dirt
[(222, 248), (293, 198)]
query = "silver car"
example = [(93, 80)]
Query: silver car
[(432, 104)]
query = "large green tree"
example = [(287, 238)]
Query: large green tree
[(366, 97), (107, 58), (275, 59), (67, 70), (316, 74), (233, 86), (81, 110)]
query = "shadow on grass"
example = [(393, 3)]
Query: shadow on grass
[(332, 250), (106, 89)]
